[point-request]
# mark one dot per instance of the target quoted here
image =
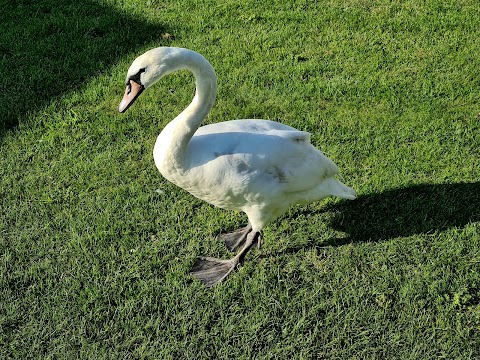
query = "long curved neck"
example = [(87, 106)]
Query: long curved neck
[(174, 138)]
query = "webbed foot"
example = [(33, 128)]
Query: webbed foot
[(236, 238), (211, 270)]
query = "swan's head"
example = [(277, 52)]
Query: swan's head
[(146, 70)]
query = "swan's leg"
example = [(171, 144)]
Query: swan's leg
[(236, 238), (259, 241), (211, 271)]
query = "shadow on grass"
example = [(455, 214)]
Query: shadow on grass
[(415, 210), (48, 47)]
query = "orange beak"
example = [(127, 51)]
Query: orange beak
[(132, 92)]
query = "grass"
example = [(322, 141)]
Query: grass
[(95, 245)]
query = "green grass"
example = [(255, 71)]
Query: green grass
[(95, 245)]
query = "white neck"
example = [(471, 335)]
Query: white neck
[(172, 143)]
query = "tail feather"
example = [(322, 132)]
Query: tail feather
[(337, 188)]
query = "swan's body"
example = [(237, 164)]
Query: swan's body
[(260, 167)]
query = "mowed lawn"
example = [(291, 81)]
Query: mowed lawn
[(95, 246)]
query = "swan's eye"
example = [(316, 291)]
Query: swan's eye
[(136, 77)]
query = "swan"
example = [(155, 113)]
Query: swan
[(260, 167)]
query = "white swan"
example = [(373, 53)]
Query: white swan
[(260, 167)]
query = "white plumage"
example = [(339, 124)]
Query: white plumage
[(260, 167)]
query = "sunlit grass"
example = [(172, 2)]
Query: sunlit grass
[(95, 245)]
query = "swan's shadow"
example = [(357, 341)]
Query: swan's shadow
[(403, 212), (50, 47)]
